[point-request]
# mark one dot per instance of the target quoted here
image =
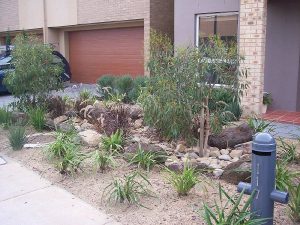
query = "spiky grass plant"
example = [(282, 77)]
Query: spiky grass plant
[(294, 203), (71, 161), (289, 151), (102, 160), (63, 142), (145, 160), (85, 95), (17, 137), (284, 177), (113, 143), (183, 181), (37, 117), (230, 210), (259, 125), (128, 189)]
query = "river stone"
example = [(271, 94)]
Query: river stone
[(236, 172), (224, 152), (90, 138), (225, 157), (236, 153)]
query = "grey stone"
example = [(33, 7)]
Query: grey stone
[(59, 120), (218, 172), (2, 161), (214, 152), (224, 152), (181, 148), (237, 172), (138, 123), (225, 157), (236, 153), (90, 138)]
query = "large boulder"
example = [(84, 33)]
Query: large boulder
[(90, 138), (239, 171), (231, 137)]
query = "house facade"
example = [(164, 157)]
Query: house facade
[(97, 36), (268, 36)]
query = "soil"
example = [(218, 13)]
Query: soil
[(165, 208)]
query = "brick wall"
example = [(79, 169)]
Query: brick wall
[(96, 11), (9, 16), (253, 14)]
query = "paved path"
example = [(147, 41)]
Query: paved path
[(28, 199)]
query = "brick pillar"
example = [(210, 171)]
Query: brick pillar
[(253, 19)]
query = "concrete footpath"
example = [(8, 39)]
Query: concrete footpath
[(28, 199)]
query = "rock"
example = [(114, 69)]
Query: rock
[(90, 138), (17, 117), (236, 153), (191, 155), (224, 163), (215, 166), (59, 120), (246, 148), (138, 123), (218, 172), (204, 161), (161, 153), (65, 126), (49, 123), (214, 152), (225, 157), (224, 152), (231, 137), (135, 112), (71, 113), (35, 145), (237, 172), (235, 160), (172, 163), (181, 148), (98, 104), (87, 126)]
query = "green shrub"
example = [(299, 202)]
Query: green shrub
[(235, 109), (102, 160), (5, 117), (145, 160), (284, 177), (294, 203), (138, 84), (183, 181), (35, 75), (231, 212), (113, 143), (17, 137), (37, 118), (129, 189), (106, 81), (85, 95), (124, 85)]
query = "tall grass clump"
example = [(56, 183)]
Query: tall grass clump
[(5, 117), (37, 117), (289, 151), (183, 181), (294, 203), (102, 160), (231, 210), (129, 189), (284, 177), (17, 137)]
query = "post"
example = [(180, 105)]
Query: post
[(263, 178)]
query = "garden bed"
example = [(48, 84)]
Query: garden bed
[(165, 208)]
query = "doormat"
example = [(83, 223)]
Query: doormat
[(2, 161)]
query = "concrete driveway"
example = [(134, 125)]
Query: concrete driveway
[(28, 199), (72, 90)]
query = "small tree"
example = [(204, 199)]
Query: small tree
[(180, 99), (34, 74)]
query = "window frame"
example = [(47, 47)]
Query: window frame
[(198, 17)]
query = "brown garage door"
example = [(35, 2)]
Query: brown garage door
[(110, 51)]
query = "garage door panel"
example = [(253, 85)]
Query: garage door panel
[(111, 51)]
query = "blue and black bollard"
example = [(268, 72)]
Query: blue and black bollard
[(263, 178)]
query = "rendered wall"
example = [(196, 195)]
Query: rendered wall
[(185, 16), (9, 18), (283, 54), (31, 14)]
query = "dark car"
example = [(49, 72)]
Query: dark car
[(5, 65)]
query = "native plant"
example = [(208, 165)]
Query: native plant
[(294, 203), (85, 95), (37, 117), (113, 143), (284, 177), (182, 82), (259, 125), (128, 189), (17, 137), (183, 181), (102, 160), (34, 74), (5, 117), (231, 210), (71, 161), (289, 151), (145, 159)]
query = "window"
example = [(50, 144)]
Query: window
[(224, 25)]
